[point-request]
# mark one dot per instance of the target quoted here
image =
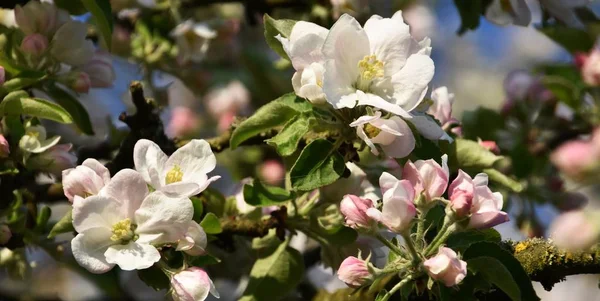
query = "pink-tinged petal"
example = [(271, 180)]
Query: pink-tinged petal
[(98, 168), (192, 284), (488, 219), (97, 212), (162, 219), (194, 241), (435, 177), (387, 181), (446, 267), (149, 159), (129, 188), (362, 120), (355, 209), (132, 256), (462, 182), (354, 272), (88, 248), (574, 231), (411, 174)]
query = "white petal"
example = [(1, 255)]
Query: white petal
[(46, 144), (183, 189), (149, 158), (195, 240), (305, 49), (411, 82), (378, 102), (390, 41), (88, 249), (195, 158), (97, 167), (403, 145), (162, 219), (481, 179), (129, 188), (302, 28), (97, 212), (345, 32), (132, 256), (366, 119), (70, 45), (387, 181), (428, 127), (337, 86)]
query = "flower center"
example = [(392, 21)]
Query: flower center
[(370, 68), (33, 134), (371, 130), (123, 231), (174, 175)]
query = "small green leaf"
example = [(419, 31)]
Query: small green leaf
[(20, 83), (496, 273), (213, 201), (102, 13), (503, 180), (460, 241), (72, 105), (274, 114), (204, 260), (42, 218), (286, 142), (572, 39), (470, 13), (155, 278), (490, 249), (211, 224), (277, 27), (381, 295), (481, 123), (198, 208), (64, 225), (318, 165), (260, 195), (274, 276), (18, 103), (469, 154)]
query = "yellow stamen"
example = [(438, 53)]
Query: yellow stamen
[(371, 131), (123, 231), (370, 68), (174, 175)]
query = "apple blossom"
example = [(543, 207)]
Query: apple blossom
[(194, 242), (446, 267), (472, 196), (69, 45), (233, 98), (34, 140), (4, 147), (85, 180), (441, 108), (34, 44), (355, 272), (304, 50), (506, 12), (393, 135), (54, 160), (575, 157), (355, 209), (123, 224), (589, 65), (192, 284), (37, 17), (100, 70), (183, 121), (575, 230), (428, 177), (80, 82), (183, 174), (192, 40), (272, 172), (398, 209), (5, 234)]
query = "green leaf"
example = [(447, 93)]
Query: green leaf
[(211, 224), (72, 105), (503, 180), (155, 278), (20, 83), (261, 195), (64, 225), (102, 13), (286, 142), (42, 218), (198, 208), (490, 249), (277, 27), (572, 39), (274, 114), (496, 273), (274, 276), (213, 201), (469, 154), (18, 103), (204, 260), (460, 241), (318, 165), (481, 123), (470, 12)]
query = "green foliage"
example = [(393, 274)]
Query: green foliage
[(42, 218), (274, 114), (469, 154), (274, 276), (470, 12), (19, 103), (213, 201), (502, 179), (461, 241), (565, 82), (198, 209), (318, 165), (490, 249), (481, 123), (204, 260), (102, 13), (154, 278), (260, 195), (286, 141), (277, 27), (73, 106), (572, 39), (211, 224), (496, 273), (20, 82), (64, 225)]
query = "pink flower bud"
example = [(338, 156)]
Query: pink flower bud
[(192, 284), (574, 231), (446, 267), (194, 241), (580, 58), (183, 122), (34, 44), (490, 145), (428, 177), (354, 272), (85, 180), (590, 71), (225, 121), (461, 203), (100, 70), (272, 171), (574, 157), (398, 209), (81, 83), (2, 75), (4, 147), (354, 210), (5, 234), (54, 160)]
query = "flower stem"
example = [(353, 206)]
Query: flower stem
[(421, 228), (411, 247), (390, 245), (396, 287), (447, 229)]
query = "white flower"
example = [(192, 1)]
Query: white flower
[(194, 242), (34, 140), (393, 135), (441, 108), (100, 70), (304, 49), (123, 224), (85, 180), (69, 44), (398, 210), (506, 12), (182, 174), (234, 97), (192, 40)]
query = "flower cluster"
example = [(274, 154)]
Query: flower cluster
[(45, 154), (120, 221)]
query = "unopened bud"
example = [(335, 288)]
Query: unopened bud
[(355, 272), (34, 44), (81, 83), (4, 147)]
